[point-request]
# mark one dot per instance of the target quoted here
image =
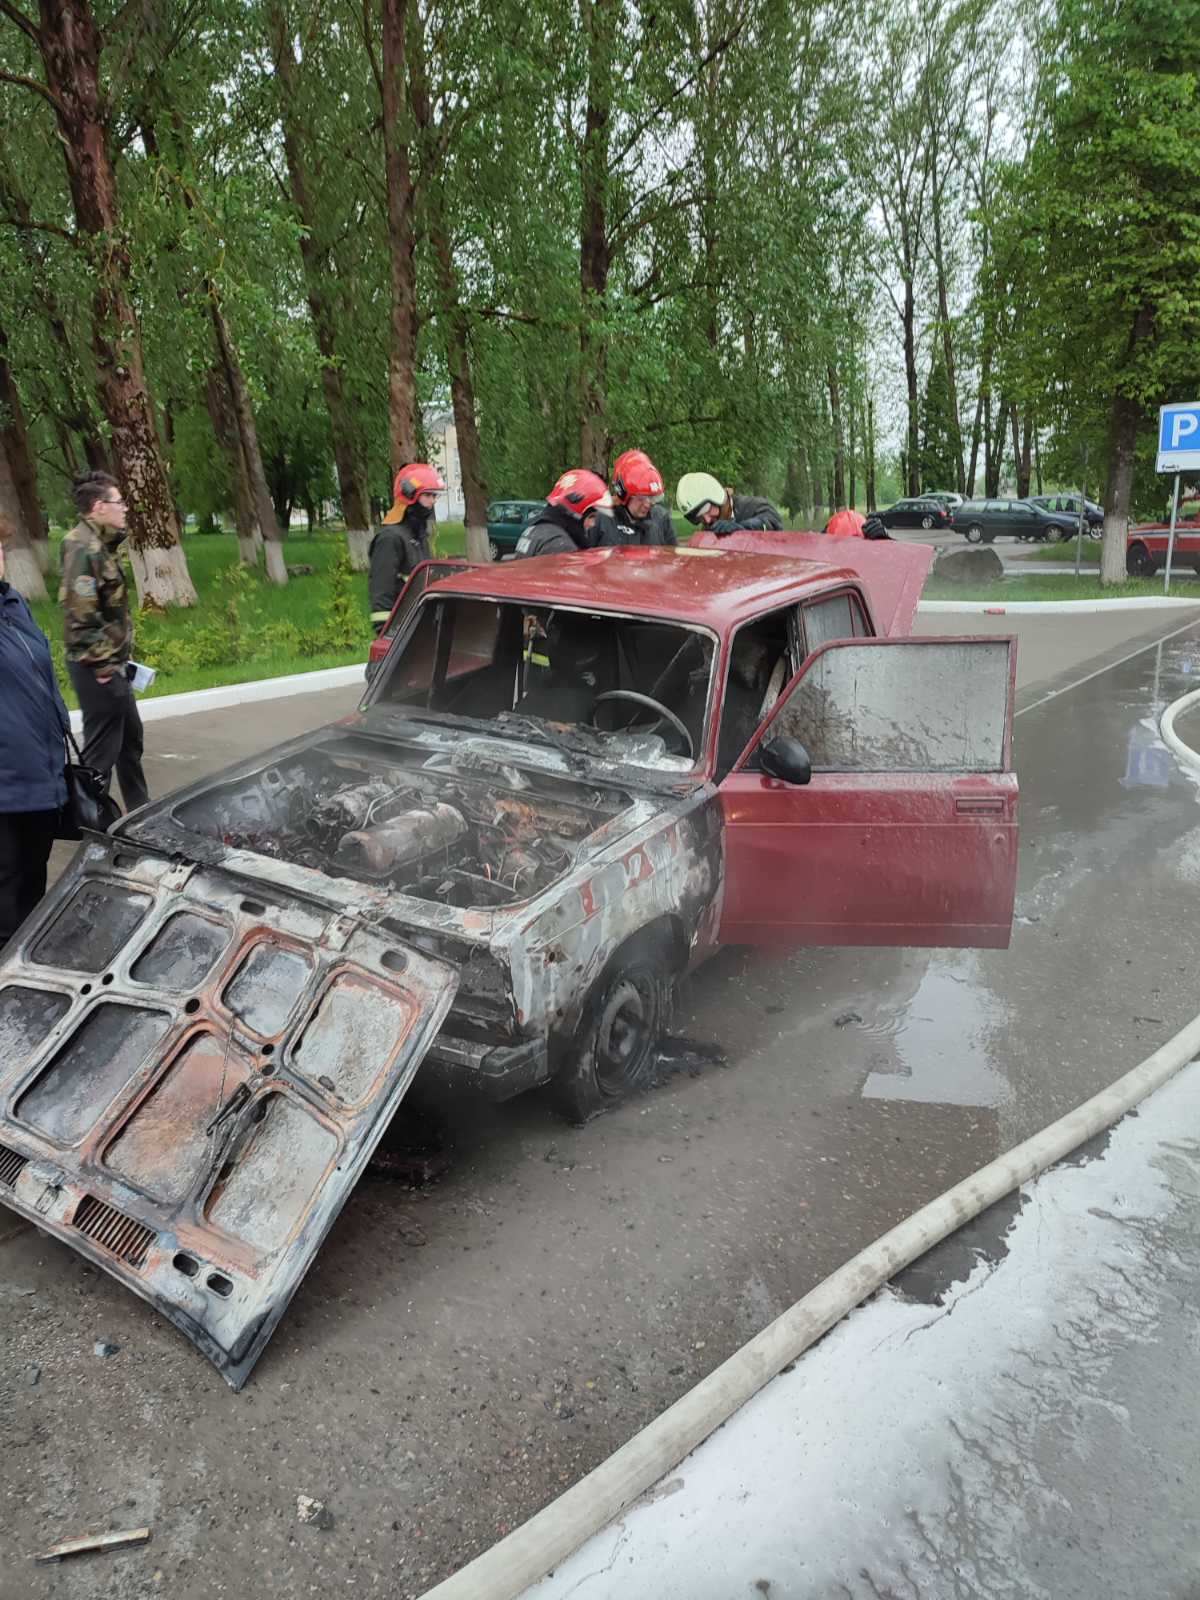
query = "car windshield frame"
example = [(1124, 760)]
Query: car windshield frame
[(578, 742)]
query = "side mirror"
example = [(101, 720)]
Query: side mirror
[(786, 759)]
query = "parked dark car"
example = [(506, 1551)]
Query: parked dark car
[(982, 521), (921, 512), (506, 521), (1069, 505)]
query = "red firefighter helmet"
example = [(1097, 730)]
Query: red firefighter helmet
[(579, 491), (412, 481), (635, 473)]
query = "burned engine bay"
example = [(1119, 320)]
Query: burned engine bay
[(461, 827)]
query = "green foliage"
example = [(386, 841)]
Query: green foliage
[(1100, 228)]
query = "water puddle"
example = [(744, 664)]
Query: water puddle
[(941, 1041)]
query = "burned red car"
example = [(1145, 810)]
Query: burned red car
[(570, 781), (1146, 547)]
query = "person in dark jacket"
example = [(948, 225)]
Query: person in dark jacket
[(706, 504), (570, 520), (32, 758), (636, 487), (98, 633), (406, 537)]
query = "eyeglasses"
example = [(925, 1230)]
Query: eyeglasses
[(117, 502), (694, 515)]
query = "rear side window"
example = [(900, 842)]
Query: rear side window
[(839, 617)]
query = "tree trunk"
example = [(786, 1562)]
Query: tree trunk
[(912, 484), (595, 253), (1037, 460), (70, 47), (851, 451), (246, 434), (348, 460), (20, 561), (1014, 428), (947, 344), (975, 433), (814, 478), (14, 441), (455, 327), (838, 492), (402, 342), (870, 450), (75, 413), (220, 411), (1025, 469), (1124, 420)]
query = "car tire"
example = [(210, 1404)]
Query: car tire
[(927, 523), (494, 550), (973, 533), (612, 1053), (1139, 563), (989, 538)]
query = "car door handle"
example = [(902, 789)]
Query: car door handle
[(979, 805)]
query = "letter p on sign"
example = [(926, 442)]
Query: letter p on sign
[(1184, 425)]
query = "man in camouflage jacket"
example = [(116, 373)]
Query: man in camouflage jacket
[(99, 635)]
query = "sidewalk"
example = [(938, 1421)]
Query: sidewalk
[(1029, 1430)]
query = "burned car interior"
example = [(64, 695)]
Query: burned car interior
[(637, 688)]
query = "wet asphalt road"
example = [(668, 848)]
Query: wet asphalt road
[(457, 1356)]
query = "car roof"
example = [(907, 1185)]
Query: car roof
[(715, 588)]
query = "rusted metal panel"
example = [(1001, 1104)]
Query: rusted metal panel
[(190, 1104)]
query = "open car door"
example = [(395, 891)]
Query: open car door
[(194, 1071), (906, 831), (893, 574), (419, 579)]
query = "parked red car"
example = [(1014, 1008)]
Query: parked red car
[(570, 781), (1146, 547)]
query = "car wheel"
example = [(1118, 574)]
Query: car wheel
[(1139, 563), (973, 533), (1095, 530), (612, 1053), (494, 550), (927, 522)]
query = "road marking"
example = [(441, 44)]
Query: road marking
[(1108, 667)]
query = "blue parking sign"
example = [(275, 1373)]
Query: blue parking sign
[(1179, 437)]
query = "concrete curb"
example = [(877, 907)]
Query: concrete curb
[(225, 695), (1051, 608), (527, 1554), (1182, 752)]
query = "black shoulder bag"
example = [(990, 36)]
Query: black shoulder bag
[(90, 808)]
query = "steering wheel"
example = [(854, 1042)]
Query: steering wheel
[(646, 703)]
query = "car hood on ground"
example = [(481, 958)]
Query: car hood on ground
[(195, 1068)]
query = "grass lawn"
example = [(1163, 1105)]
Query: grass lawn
[(1051, 586), (247, 628), (1089, 556)]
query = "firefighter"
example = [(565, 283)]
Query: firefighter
[(636, 487), (405, 539), (707, 505), (569, 521)]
